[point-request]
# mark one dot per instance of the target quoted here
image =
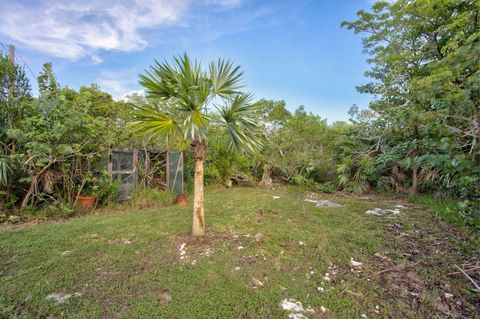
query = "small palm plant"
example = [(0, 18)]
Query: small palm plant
[(194, 93)]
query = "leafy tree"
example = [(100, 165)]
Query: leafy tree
[(300, 145), (424, 67), (53, 141), (47, 83), (224, 164), (14, 84), (424, 70), (14, 89), (14, 92), (272, 116), (193, 92), (56, 137)]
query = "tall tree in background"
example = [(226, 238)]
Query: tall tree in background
[(424, 58), (194, 92), (14, 90), (47, 83)]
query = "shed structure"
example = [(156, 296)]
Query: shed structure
[(146, 168)]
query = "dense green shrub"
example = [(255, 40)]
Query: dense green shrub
[(326, 187)]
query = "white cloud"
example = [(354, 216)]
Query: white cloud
[(225, 3), (76, 29), (117, 88), (117, 82), (126, 96), (96, 59)]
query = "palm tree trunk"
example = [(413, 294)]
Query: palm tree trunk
[(198, 225)]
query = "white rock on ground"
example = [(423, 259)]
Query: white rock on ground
[(61, 297), (183, 251), (355, 263), (327, 277), (323, 203), (382, 212), (448, 296), (257, 282), (292, 305), (393, 211), (298, 315), (207, 252), (378, 255), (376, 211), (326, 203)]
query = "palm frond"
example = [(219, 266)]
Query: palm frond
[(240, 117), (189, 72), (182, 79), (196, 125), (5, 170), (150, 120), (160, 81), (225, 78)]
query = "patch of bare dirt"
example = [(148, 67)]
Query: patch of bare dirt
[(26, 223), (190, 248), (420, 270)]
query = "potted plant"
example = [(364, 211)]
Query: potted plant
[(87, 195), (181, 200)]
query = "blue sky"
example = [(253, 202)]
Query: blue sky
[(289, 50)]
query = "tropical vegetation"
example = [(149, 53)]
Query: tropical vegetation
[(419, 136)]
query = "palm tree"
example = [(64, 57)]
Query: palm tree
[(194, 94)]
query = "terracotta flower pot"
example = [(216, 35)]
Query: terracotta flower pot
[(181, 200), (86, 201)]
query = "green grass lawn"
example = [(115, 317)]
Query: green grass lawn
[(259, 252)]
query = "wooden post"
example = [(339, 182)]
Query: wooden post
[(11, 53), (134, 166), (109, 165), (183, 169), (168, 170)]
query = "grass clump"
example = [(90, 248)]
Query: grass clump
[(143, 198), (444, 208)]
